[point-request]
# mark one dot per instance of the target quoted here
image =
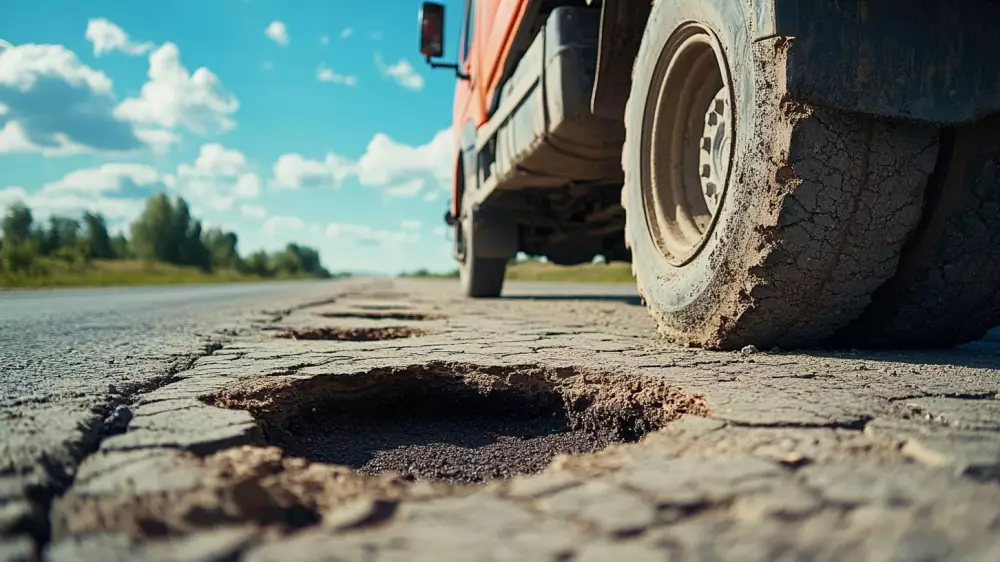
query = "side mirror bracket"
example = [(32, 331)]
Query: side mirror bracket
[(432, 37), (458, 72)]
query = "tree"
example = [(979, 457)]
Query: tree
[(151, 231), (95, 232), (62, 236), (258, 264), (297, 260), (121, 248), (222, 248), (17, 224), (166, 231)]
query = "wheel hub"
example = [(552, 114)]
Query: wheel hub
[(686, 142), (714, 150)]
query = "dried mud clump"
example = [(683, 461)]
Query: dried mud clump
[(457, 423), (352, 334)]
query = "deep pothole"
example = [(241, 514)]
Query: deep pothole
[(458, 423), (352, 334)]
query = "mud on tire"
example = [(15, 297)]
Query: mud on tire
[(946, 290), (814, 216)]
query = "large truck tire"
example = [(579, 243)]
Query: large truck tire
[(481, 277), (946, 290), (765, 222)]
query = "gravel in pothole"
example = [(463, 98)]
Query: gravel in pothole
[(457, 423)]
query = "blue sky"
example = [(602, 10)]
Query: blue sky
[(311, 121)]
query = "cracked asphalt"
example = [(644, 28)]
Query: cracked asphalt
[(766, 455)]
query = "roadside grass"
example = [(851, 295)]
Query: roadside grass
[(537, 271), (104, 273), (531, 270)]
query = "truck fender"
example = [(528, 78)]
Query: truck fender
[(928, 61), (622, 24)]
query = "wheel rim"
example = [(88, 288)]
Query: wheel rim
[(686, 143)]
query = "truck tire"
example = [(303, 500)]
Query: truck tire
[(803, 211), (480, 277), (946, 290)]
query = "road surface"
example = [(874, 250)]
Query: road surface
[(390, 420)]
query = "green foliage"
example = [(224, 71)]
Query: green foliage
[(120, 248), (259, 264), (17, 223), (298, 260), (222, 249), (95, 233), (165, 233), (20, 257), (424, 273), (61, 238)]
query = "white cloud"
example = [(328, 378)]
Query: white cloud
[(215, 160), (401, 170), (408, 188), (346, 32), (104, 178), (411, 224), (160, 140), (107, 37), (386, 161), (218, 178), (324, 40), (56, 105), (174, 98), (402, 72), (4, 110), (253, 211), (432, 196), (275, 226), (247, 186), (277, 32), (326, 74), (44, 204), (292, 171), (439, 230), (365, 234), (24, 66)]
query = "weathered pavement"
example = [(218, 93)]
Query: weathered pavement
[(765, 455)]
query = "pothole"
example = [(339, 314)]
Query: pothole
[(352, 334), (384, 315), (457, 423)]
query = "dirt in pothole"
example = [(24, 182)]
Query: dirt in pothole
[(352, 334), (458, 423)]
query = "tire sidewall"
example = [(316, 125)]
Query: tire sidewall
[(688, 296)]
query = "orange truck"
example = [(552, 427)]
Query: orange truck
[(778, 172)]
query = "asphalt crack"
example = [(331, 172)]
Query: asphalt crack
[(110, 417)]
